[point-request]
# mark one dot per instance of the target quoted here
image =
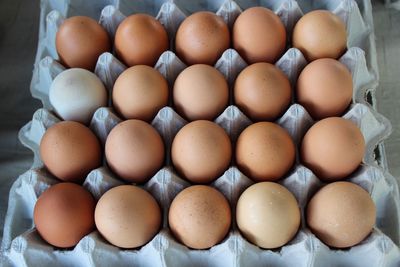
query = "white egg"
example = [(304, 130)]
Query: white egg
[(76, 93)]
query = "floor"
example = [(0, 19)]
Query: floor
[(387, 32), (18, 39)]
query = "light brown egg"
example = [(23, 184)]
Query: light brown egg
[(70, 150), (265, 152), (80, 41), (134, 151), (200, 93), (139, 93), (64, 214), (262, 92), (199, 217), (341, 214), (325, 88), (320, 34), (259, 35), (127, 216), (140, 39), (202, 38), (333, 148), (201, 151), (268, 215)]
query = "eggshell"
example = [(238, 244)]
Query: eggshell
[(201, 151), (80, 41), (320, 34), (333, 148), (268, 215), (202, 38), (265, 151), (341, 214), (70, 150), (127, 216), (140, 39), (259, 35), (200, 93), (75, 94), (199, 217), (139, 93), (64, 214), (134, 151), (325, 88), (262, 92)]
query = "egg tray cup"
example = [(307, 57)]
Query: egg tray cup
[(22, 245)]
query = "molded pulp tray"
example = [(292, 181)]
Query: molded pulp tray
[(22, 246)]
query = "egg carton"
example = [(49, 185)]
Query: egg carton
[(26, 248), (22, 246)]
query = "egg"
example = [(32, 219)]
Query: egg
[(140, 39), (262, 92), (80, 41), (325, 88), (200, 93), (134, 151), (265, 152), (202, 38), (201, 151), (199, 217), (341, 214), (64, 214), (267, 215), (127, 216), (333, 148), (70, 150), (76, 93), (259, 35), (320, 34), (139, 93)]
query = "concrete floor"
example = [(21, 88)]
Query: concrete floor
[(17, 53), (387, 32)]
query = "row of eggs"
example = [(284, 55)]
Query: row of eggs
[(341, 214), (258, 35), (201, 151), (262, 91)]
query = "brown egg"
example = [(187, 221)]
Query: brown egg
[(127, 216), (140, 39), (262, 92), (139, 93), (201, 151), (325, 88), (134, 151), (202, 38), (199, 217), (333, 148), (259, 35), (80, 41), (268, 215), (320, 34), (265, 151), (70, 150), (341, 214), (200, 93), (64, 214)]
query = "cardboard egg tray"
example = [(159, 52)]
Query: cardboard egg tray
[(22, 246)]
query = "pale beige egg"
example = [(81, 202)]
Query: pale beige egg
[(268, 215)]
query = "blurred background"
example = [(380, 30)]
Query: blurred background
[(19, 20)]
